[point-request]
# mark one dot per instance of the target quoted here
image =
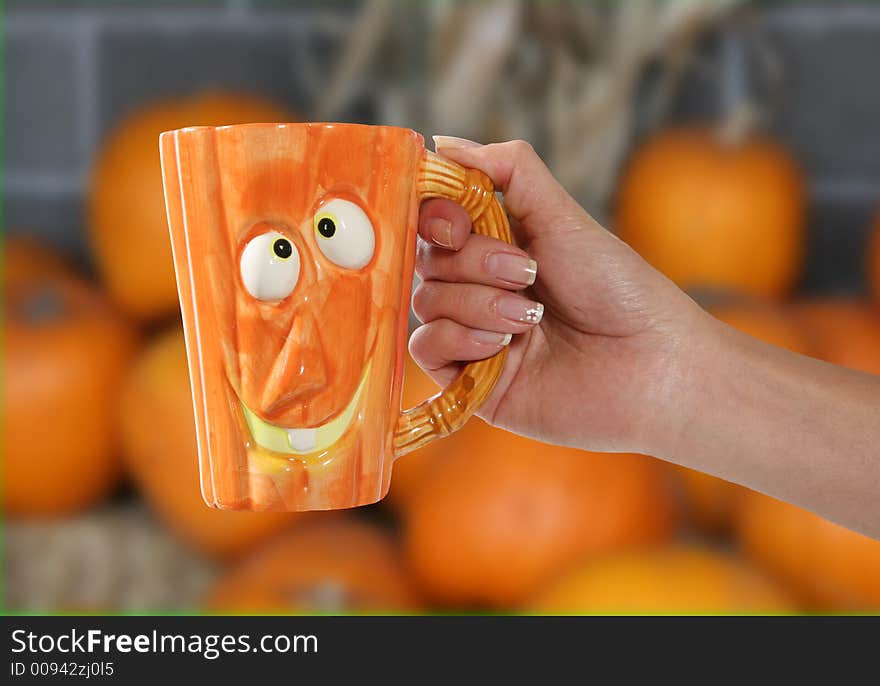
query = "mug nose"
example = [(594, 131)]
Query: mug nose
[(300, 369)]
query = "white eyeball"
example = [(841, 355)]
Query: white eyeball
[(270, 266), (344, 234)]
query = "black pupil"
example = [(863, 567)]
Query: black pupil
[(282, 248), (326, 227)]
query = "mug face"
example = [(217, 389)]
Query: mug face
[(294, 246)]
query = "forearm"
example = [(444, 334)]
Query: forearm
[(784, 424)]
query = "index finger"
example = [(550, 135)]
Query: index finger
[(444, 223), (532, 195)]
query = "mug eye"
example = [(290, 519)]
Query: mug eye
[(269, 266), (344, 234)]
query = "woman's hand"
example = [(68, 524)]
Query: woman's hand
[(622, 360), (600, 338)]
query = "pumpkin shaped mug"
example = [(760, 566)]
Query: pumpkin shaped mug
[(294, 248)]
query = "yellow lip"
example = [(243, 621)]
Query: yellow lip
[(308, 440)]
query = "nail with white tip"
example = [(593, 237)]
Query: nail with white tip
[(491, 337), (515, 308), (453, 142)]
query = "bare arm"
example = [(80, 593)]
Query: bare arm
[(796, 428)]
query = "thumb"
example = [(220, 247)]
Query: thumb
[(532, 195)]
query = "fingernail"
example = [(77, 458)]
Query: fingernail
[(451, 142), (490, 337), (440, 231), (515, 269), (519, 309)]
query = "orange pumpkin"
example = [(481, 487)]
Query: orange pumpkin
[(767, 322), (715, 215), (410, 470), (27, 258), (129, 229), (710, 500), (332, 565), (159, 440), (828, 566), (66, 351), (674, 579), (874, 259), (845, 332), (501, 514)]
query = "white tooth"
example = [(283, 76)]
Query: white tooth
[(302, 439)]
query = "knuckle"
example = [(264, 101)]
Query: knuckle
[(418, 343), (522, 149), (423, 258), (462, 299), (429, 344), (445, 336), (491, 306), (421, 300), (455, 268)]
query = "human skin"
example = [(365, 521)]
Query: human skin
[(622, 360)]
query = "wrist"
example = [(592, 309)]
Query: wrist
[(699, 350)]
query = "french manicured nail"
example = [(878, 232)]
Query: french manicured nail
[(490, 337), (519, 309), (451, 142), (515, 269), (440, 230)]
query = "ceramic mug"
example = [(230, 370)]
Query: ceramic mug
[(294, 249)]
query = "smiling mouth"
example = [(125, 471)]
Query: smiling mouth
[(303, 441)]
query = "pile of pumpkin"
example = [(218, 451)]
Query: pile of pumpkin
[(96, 393)]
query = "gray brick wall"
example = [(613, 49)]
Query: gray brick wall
[(74, 68)]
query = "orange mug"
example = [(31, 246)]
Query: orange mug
[(294, 249)]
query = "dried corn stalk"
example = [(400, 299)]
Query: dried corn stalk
[(562, 75)]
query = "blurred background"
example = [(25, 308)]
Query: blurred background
[(735, 145)]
